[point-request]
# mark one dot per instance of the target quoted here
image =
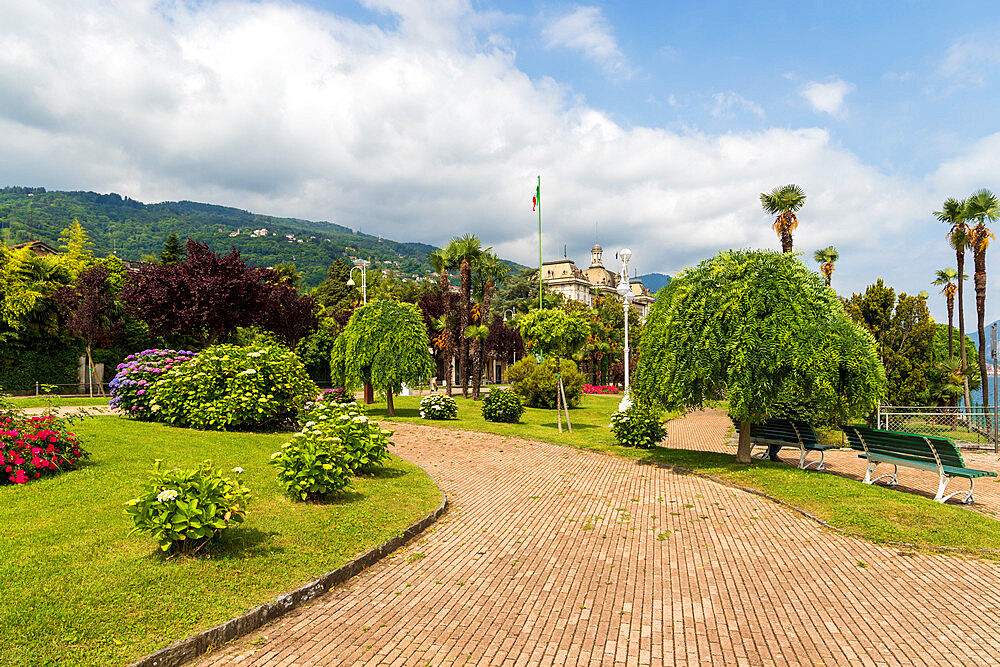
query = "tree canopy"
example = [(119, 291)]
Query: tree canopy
[(553, 331), (384, 344), (756, 327)]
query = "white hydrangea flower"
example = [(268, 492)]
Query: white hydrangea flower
[(238, 470), (250, 371), (310, 424), (254, 355), (166, 495), (360, 419)]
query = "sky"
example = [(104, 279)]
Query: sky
[(657, 124)]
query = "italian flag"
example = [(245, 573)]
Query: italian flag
[(537, 199)]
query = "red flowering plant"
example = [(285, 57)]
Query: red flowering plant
[(31, 447), (600, 389), (132, 389)]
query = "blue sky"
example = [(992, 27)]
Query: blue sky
[(417, 119)]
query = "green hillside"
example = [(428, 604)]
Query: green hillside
[(133, 229)]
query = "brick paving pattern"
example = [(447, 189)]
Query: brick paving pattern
[(554, 556)]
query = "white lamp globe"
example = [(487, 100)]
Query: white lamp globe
[(623, 289), (350, 282), (625, 254)]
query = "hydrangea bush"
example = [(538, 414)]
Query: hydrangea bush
[(502, 405), (185, 509), (438, 406), (337, 395), (32, 447), (232, 387), (366, 444), (133, 387), (639, 426)]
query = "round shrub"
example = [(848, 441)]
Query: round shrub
[(536, 383), (312, 465), (365, 443), (32, 447), (231, 387), (184, 509), (502, 405), (133, 387), (438, 406), (639, 426)]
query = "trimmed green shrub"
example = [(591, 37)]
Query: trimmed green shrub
[(502, 405), (536, 383), (438, 406), (365, 443), (313, 464), (639, 426), (229, 387), (185, 509)]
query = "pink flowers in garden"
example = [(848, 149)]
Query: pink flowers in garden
[(600, 389), (32, 447), (130, 389)]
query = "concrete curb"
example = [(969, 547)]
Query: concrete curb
[(198, 645)]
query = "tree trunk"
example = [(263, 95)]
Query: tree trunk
[(743, 448), (463, 314), (979, 258), (951, 329), (448, 349), (960, 256), (786, 241), (480, 345), (390, 409), (369, 394)]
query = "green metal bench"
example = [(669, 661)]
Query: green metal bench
[(913, 451), (790, 432)]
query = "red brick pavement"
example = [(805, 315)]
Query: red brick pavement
[(554, 556)]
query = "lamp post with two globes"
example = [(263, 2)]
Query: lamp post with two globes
[(624, 290)]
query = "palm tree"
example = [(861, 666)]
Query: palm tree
[(953, 213), (489, 271), (784, 202), (826, 257), (464, 252), (983, 205), (947, 277), (440, 261)]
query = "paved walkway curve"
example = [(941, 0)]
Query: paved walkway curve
[(554, 556)]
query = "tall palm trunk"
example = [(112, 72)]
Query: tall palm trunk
[(463, 314), (979, 259), (951, 318), (960, 256), (479, 354), (449, 346), (786, 232)]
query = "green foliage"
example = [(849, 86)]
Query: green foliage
[(230, 387), (754, 327), (502, 405), (554, 331), (438, 406), (537, 383), (312, 465), (904, 333), (638, 426), (20, 369), (365, 442), (315, 349), (185, 509), (384, 344), (172, 252)]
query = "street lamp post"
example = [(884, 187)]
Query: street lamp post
[(625, 292), (360, 264), (512, 314)]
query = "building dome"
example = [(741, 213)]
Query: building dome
[(597, 248)]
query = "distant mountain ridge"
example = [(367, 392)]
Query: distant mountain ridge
[(655, 281)]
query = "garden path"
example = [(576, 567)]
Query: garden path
[(555, 556)]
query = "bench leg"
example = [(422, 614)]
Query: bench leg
[(819, 464), (941, 498), (893, 481)]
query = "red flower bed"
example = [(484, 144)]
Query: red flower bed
[(600, 389), (32, 447)]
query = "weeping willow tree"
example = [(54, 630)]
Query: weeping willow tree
[(384, 344), (757, 328)]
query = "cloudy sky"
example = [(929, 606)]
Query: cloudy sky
[(659, 122)]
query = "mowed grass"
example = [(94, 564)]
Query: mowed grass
[(78, 590), (56, 401), (869, 512)]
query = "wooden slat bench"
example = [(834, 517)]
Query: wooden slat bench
[(790, 432), (913, 450)]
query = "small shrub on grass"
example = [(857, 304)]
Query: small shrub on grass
[(365, 443), (230, 387), (639, 426), (536, 383), (185, 509), (32, 447), (502, 405), (313, 465), (134, 385), (438, 406)]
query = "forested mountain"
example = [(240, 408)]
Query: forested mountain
[(132, 229), (655, 281)]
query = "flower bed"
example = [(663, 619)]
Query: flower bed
[(600, 389), (35, 446), (132, 386)]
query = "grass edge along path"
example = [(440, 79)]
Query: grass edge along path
[(79, 590), (870, 512)]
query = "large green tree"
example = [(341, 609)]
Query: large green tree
[(554, 332), (384, 345), (904, 332), (756, 327)]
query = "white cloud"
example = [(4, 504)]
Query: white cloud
[(969, 62), (728, 104), (586, 30), (827, 97)]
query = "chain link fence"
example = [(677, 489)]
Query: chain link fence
[(969, 427)]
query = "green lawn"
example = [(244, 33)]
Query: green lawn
[(56, 401), (869, 512), (78, 590)]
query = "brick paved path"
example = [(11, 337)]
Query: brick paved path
[(554, 556)]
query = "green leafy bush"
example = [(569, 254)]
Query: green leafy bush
[(536, 383), (502, 405), (639, 426), (313, 464), (185, 509), (438, 406), (365, 443), (231, 387)]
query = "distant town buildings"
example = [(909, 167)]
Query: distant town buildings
[(563, 276)]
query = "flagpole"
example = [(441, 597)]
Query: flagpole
[(538, 195)]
